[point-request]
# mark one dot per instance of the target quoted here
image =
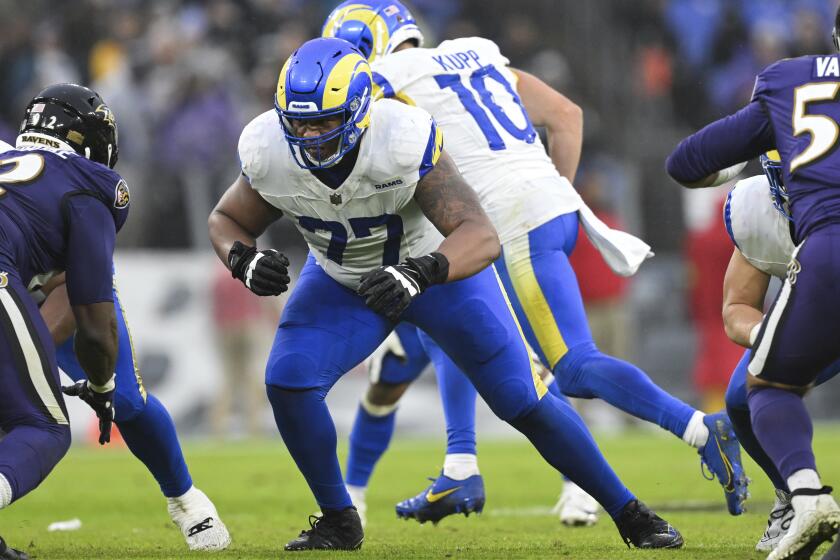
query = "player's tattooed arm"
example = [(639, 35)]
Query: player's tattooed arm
[(744, 288), (471, 242), (241, 215), (561, 117)]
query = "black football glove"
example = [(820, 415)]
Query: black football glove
[(264, 272), (101, 403), (389, 290)]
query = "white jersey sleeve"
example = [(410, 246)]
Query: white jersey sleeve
[(470, 91), (759, 231), (369, 220)]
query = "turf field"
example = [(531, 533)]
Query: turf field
[(265, 502)]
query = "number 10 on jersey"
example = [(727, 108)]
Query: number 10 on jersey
[(478, 82)]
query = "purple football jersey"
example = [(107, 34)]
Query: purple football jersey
[(794, 109), (60, 211)]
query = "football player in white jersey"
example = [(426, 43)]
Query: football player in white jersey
[(488, 112), (758, 221), (395, 234)]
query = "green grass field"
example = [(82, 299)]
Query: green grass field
[(264, 502)]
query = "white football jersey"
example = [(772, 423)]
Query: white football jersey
[(758, 230), (369, 220), (468, 88)]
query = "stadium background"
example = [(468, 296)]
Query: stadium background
[(183, 77)]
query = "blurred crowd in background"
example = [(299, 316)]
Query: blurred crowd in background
[(184, 76)]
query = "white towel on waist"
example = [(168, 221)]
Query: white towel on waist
[(624, 253)]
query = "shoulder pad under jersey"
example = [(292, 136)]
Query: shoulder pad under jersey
[(255, 142), (401, 136)]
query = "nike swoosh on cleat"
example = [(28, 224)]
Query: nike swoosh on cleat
[(432, 497), (730, 472)]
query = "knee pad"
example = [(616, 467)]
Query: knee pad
[(572, 367), (52, 454), (292, 371), (492, 338), (62, 436), (512, 399)]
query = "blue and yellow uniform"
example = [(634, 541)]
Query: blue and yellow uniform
[(359, 222), (469, 88)]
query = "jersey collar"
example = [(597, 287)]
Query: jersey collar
[(344, 192), (42, 142)]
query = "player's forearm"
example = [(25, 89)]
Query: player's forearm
[(96, 342), (565, 141), (57, 314), (224, 232), (470, 248), (696, 161), (739, 320)]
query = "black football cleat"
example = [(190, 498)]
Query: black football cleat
[(9, 553), (641, 527), (333, 530)]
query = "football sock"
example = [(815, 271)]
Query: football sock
[(5, 492), (460, 466), (561, 437), (308, 431), (357, 494), (151, 437), (742, 424), (696, 433), (783, 427), (587, 373), (804, 478), (28, 454), (458, 397), (369, 438)]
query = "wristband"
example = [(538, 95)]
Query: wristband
[(108, 386), (432, 268), (237, 258)]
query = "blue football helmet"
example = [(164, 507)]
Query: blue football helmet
[(771, 163), (375, 27), (324, 78)]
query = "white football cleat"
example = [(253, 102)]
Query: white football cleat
[(778, 522), (816, 520), (575, 507), (199, 521), (357, 496)]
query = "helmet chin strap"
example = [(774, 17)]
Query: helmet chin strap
[(87, 152), (110, 149)]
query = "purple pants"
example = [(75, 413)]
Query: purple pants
[(32, 412), (800, 335)]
